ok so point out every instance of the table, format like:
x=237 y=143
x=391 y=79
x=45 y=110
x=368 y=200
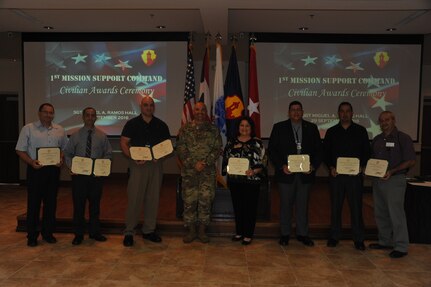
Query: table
x=418 y=212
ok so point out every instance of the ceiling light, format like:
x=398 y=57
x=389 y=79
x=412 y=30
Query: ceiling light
x=303 y=28
x=48 y=27
x=391 y=29
x=161 y=27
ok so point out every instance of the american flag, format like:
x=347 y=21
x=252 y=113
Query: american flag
x=189 y=90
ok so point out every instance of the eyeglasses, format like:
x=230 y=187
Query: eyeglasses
x=148 y=105
x=47 y=112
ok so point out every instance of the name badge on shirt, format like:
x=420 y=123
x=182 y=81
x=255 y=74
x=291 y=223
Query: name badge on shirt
x=390 y=144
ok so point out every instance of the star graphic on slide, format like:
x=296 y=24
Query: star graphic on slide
x=80 y=58
x=332 y=60
x=139 y=79
x=309 y=60
x=374 y=129
x=123 y=65
x=381 y=103
x=355 y=67
x=102 y=58
x=252 y=107
x=373 y=82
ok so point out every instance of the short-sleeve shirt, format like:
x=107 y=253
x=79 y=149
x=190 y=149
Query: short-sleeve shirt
x=35 y=135
x=142 y=133
x=396 y=148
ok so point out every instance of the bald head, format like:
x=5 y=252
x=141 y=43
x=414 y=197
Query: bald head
x=147 y=107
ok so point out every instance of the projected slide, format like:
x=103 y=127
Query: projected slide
x=112 y=77
x=94 y=74
x=372 y=77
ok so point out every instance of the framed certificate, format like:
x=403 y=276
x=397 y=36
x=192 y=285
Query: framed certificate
x=140 y=153
x=298 y=162
x=102 y=167
x=82 y=165
x=48 y=155
x=348 y=165
x=237 y=166
x=376 y=167
x=162 y=149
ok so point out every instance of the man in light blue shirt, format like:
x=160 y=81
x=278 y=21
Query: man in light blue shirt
x=42 y=180
x=92 y=143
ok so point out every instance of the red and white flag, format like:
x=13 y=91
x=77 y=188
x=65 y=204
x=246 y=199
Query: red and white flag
x=253 y=91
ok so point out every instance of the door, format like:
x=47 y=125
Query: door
x=9 y=130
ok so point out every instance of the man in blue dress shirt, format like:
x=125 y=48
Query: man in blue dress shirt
x=42 y=181
x=92 y=143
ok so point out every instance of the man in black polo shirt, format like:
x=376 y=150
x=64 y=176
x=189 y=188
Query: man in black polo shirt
x=388 y=192
x=346 y=139
x=145 y=177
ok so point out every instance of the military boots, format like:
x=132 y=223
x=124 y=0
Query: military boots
x=191 y=235
x=203 y=237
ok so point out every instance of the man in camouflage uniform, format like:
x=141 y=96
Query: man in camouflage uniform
x=198 y=146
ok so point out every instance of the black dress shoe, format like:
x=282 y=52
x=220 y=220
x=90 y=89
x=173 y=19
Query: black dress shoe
x=397 y=254
x=77 y=240
x=32 y=242
x=379 y=246
x=332 y=242
x=152 y=237
x=98 y=237
x=246 y=241
x=359 y=245
x=284 y=240
x=49 y=239
x=305 y=240
x=128 y=240
x=237 y=237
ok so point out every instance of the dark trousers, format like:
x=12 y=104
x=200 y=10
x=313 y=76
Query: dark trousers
x=351 y=186
x=294 y=194
x=86 y=188
x=42 y=186
x=245 y=198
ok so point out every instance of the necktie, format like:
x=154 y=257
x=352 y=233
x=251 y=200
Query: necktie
x=88 y=147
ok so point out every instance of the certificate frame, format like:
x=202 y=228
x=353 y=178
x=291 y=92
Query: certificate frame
x=162 y=149
x=48 y=155
x=82 y=165
x=102 y=167
x=376 y=167
x=237 y=166
x=348 y=165
x=298 y=163
x=140 y=153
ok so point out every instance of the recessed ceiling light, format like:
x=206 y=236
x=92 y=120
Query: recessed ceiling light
x=391 y=29
x=303 y=28
x=48 y=27
x=161 y=27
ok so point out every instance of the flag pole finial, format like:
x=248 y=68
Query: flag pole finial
x=252 y=38
x=234 y=39
x=218 y=37
x=207 y=38
x=191 y=40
